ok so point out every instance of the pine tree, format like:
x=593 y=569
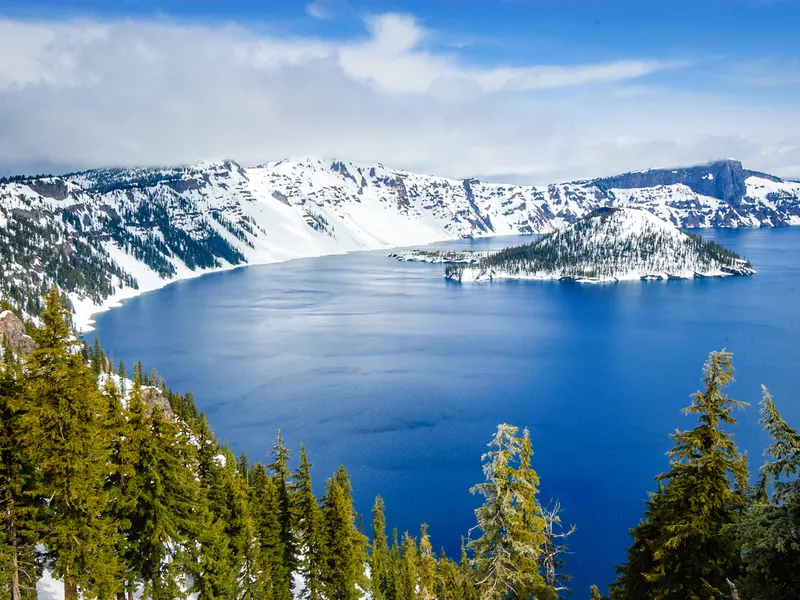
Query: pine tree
x=121 y=465
x=512 y=527
x=409 y=558
x=395 y=570
x=379 y=558
x=265 y=506
x=681 y=549
x=468 y=590
x=64 y=430
x=345 y=547
x=166 y=514
x=426 y=572
x=769 y=533
x=279 y=467
x=309 y=530
x=447 y=584
x=20 y=506
x=595 y=594
x=216 y=574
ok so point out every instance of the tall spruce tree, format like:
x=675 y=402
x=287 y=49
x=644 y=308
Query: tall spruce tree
x=769 y=533
x=681 y=549
x=266 y=508
x=379 y=557
x=20 y=506
x=345 y=547
x=64 y=429
x=407 y=585
x=512 y=527
x=427 y=566
x=309 y=531
x=166 y=514
x=279 y=468
x=122 y=462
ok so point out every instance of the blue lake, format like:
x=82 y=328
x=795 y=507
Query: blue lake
x=401 y=376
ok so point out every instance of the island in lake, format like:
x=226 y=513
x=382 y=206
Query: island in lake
x=609 y=244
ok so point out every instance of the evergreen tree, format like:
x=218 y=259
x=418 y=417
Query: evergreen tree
x=769 y=533
x=395 y=572
x=309 y=531
x=216 y=576
x=468 y=590
x=379 y=557
x=20 y=506
x=279 y=467
x=345 y=547
x=512 y=527
x=121 y=465
x=165 y=516
x=595 y=593
x=407 y=587
x=447 y=583
x=64 y=428
x=265 y=503
x=681 y=550
x=426 y=572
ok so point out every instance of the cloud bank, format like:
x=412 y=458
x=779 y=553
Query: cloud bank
x=83 y=94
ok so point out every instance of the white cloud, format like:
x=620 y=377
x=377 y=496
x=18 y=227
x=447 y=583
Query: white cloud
x=85 y=94
x=318 y=10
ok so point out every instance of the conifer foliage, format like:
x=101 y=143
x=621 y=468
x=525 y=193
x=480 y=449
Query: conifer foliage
x=682 y=549
x=121 y=490
x=507 y=554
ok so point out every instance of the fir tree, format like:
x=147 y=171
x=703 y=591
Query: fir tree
x=121 y=465
x=595 y=594
x=769 y=533
x=407 y=586
x=467 y=590
x=345 y=547
x=681 y=549
x=216 y=574
x=446 y=576
x=426 y=573
x=379 y=557
x=265 y=506
x=309 y=530
x=167 y=510
x=20 y=506
x=65 y=433
x=279 y=467
x=512 y=527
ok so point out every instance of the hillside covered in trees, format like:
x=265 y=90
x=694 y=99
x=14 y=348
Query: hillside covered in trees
x=117 y=486
x=609 y=244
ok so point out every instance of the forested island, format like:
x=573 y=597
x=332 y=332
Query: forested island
x=609 y=244
x=116 y=485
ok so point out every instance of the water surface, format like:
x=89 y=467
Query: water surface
x=403 y=376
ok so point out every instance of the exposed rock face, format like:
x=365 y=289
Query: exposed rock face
x=12 y=329
x=154 y=399
x=723 y=179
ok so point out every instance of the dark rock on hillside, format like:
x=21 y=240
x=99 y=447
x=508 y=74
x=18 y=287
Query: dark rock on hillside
x=724 y=179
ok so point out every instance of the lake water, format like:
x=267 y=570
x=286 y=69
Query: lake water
x=402 y=376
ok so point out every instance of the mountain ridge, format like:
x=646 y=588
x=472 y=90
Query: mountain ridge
x=104 y=235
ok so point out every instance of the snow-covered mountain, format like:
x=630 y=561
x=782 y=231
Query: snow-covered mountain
x=108 y=234
x=609 y=244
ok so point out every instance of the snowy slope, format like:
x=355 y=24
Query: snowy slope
x=107 y=235
x=610 y=244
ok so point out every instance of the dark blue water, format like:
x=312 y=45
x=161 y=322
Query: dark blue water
x=403 y=377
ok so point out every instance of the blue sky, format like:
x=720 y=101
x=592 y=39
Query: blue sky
x=524 y=90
